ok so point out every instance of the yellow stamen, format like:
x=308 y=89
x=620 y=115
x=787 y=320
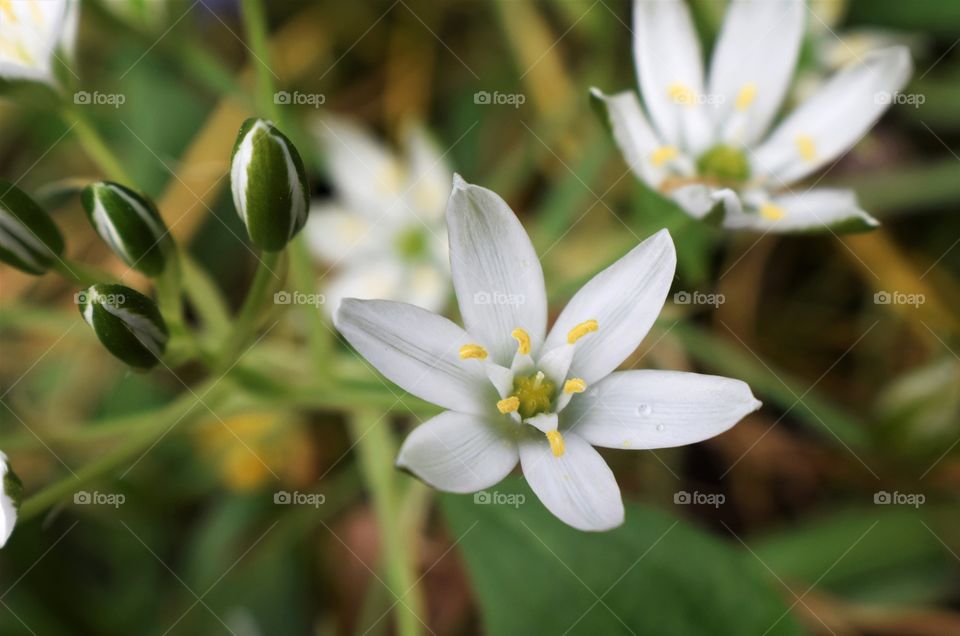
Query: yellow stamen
x=806 y=147
x=772 y=212
x=523 y=340
x=556 y=443
x=7 y=8
x=680 y=94
x=585 y=327
x=574 y=385
x=746 y=96
x=509 y=405
x=663 y=154
x=473 y=351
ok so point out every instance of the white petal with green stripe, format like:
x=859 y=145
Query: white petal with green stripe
x=29 y=240
x=127 y=323
x=130 y=224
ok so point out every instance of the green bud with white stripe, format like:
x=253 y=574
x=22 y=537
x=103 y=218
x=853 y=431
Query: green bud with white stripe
x=127 y=323
x=130 y=224
x=269 y=185
x=11 y=494
x=29 y=240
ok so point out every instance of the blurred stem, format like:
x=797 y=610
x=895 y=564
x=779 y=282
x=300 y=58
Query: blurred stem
x=247 y=321
x=319 y=334
x=79 y=274
x=94 y=146
x=139 y=441
x=204 y=295
x=377 y=450
x=255 y=21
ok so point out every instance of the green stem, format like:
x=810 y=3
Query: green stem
x=94 y=145
x=319 y=333
x=255 y=21
x=258 y=297
x=141 y=440
x=376 y=448
x=79 y=274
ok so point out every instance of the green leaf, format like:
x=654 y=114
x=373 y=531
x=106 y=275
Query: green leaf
x=654 y=575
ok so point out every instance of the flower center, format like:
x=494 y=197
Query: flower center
x=411 y=244
x=534 y=394
x=724 y=163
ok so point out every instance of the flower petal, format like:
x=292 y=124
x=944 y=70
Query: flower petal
x=8 y=506
x=418 y=351
x=633 y=134
x=496 y=272
x=667 y=55
x=657 y=409
x=624 y=299
x=429 y=177
x=753 y=64
x=578 y=487
x=457 y=452
x=379 y=279
x=835 y=118
x=707 y=203
x=335 y=234
x=811 y=211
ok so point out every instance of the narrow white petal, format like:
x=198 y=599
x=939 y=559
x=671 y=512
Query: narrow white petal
x=578 y=487
x=30 y=34
x=336 y=235
x=8 y=512
x=810 y=211
x=657 y=409
x=834 y=119
x=753 y=65
x=633 y=135
x=460 y=453
x=496 y=273
x=667 y=55
x=418 y=351
x=702 y=201
x=375 y=279
x=624 y=299
x=426 y=285
x=429 y=177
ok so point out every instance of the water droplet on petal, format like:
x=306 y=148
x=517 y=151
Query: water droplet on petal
x=644 y=410
x=659 y=427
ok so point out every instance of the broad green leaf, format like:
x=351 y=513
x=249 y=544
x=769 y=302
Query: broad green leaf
x=654 y=575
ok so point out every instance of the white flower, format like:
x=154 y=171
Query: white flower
x=706 y=145
x=9 y=499
x=34 y=34
x=384 y=234
x=518 y=392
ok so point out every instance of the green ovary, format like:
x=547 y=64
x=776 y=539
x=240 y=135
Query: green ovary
x=724 y=163
x=535 y=394
x=411 y=244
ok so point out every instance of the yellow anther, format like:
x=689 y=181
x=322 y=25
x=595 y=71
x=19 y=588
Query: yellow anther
x=7 y=8
x=806 y=147
x=772 y=212
x=556 y=442
x=473 y=351
x=523 y=340
x=663 y=154
x=574 y=385
x=746 y=96
x=680 y=94
x=509 y=405
x=585 y=327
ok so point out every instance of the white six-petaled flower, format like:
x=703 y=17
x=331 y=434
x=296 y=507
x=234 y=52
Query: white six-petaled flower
x=384 y=233
x=33 y=35
x=708 y=145
x=516 y=392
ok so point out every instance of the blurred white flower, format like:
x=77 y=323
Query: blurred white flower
x=10 y=489
x=383 y=236
x=708 y=145
x=34 y=35
x=516 y=392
